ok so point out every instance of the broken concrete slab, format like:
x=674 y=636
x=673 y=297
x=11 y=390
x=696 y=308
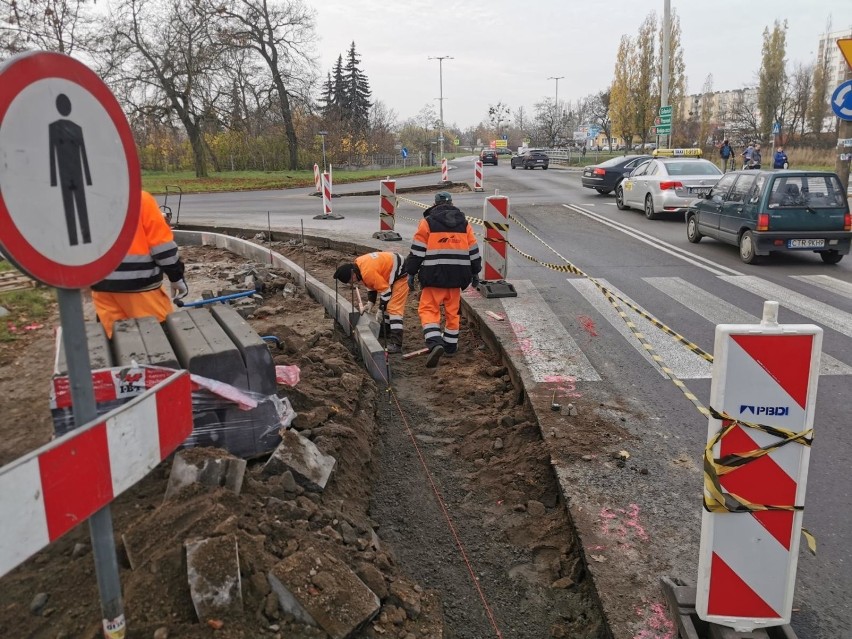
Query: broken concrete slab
x=213 y=572
x=310 y=467
x=188 y=468
x=327 y=590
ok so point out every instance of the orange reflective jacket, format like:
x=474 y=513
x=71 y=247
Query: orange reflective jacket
x=444 y=251
x=379 y=271
x=152 y=252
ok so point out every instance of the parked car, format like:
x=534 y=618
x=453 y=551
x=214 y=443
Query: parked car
x=768 y=211
x=531 y=159
x=604 y=177
x=502 y=150
x=666 y=185
x=488 y=156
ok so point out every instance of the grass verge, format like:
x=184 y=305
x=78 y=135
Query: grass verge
x=28 y=307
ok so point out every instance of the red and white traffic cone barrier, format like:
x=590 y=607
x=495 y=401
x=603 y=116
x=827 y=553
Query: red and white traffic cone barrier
x=326 y=200
x=495 y=217
x=317 y=179
x=387 y=212
x=445 y=173
x=477 y=176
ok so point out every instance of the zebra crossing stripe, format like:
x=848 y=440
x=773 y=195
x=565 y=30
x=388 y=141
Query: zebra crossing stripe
x=827 y=315
x=718 y=311
x=549 y=350
x=684 y=363
x=827 y=283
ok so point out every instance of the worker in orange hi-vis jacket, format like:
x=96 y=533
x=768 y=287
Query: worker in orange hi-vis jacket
x=135 y=288
x=445 y=255
x=382 y=273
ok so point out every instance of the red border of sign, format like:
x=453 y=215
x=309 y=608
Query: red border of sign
x=15 y=76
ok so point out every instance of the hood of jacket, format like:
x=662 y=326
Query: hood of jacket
x=448 y=216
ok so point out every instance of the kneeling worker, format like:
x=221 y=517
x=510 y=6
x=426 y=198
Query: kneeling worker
x=382 y=273
x=135 y=288
x=446 y=256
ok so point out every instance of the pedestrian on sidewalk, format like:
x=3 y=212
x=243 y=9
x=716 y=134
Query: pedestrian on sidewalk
x=780 y=161
x=727 y=155
x=135 y=288
x=383 y=275
x=445 y=256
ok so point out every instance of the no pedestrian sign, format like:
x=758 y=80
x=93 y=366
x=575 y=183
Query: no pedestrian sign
x=69 y=175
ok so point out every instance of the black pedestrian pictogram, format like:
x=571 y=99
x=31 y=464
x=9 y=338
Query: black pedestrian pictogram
x=68 y=151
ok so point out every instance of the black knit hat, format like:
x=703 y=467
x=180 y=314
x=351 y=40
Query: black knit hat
x=344 y=272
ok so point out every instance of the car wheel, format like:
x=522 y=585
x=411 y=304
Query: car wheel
x=604 y=191
x=747 y=250
x=526 y=167
x=513 y=165
x=619 y=199
x=545 y=168
x=830 y=257
x=650 y=213
x=692 y=232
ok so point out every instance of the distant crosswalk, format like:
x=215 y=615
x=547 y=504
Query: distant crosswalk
x=563 y=356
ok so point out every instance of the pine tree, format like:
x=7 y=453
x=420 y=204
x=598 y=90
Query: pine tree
x=356 y=92
x=338 y=88
x=327 y=97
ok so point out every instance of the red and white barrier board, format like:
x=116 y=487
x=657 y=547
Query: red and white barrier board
x=387 y=205
x=764 y=374
x=326 y=194
x=445 y=174
x=477 y=176
x=51 y=490
x=317 y=179
x=495 y=215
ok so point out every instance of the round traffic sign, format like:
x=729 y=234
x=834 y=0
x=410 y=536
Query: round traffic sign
x=69 y=176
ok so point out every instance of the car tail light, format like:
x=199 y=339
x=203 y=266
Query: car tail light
x=847 y=222
x=668 y=186
x=599 y=171
x=762 y=222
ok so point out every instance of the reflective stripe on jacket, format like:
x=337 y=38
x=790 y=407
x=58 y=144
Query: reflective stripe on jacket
x=152 y=253
x=444 y=251
x=379 y=271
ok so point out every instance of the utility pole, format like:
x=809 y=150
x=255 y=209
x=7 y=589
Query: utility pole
x=440 y=60
x=667 y=34
x=556 y=107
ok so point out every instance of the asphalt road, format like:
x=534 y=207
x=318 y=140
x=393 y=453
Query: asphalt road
x=690 y=288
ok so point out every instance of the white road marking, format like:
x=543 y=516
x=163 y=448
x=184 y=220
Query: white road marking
x=828 y=283
x=684 y=363
x=717 y=311
x=549 y=350
x=834 y=318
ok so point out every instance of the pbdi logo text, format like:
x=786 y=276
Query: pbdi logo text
x=780 y=411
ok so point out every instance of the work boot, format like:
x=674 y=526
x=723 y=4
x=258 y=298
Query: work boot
x=434 y=356
x=393 y=348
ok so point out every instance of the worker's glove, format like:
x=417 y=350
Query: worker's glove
x=383 y=305
x=179 y=289
x=410 y=282
x=474 y=281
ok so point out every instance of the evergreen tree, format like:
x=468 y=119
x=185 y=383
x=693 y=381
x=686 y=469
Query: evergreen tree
x=356 y=92
x=338 y=88
x=327 y=97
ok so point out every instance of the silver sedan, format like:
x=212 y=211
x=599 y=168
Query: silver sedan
x=666 y=185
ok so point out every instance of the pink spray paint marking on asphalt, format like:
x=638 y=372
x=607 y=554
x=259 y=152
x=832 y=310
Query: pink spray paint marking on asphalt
x=589 y=325
x=621 y=523
x=566 y=385
x=658 y=625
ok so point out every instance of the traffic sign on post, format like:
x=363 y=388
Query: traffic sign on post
x=69 y=176
x=662 y=129
x=762 y=401
x=665 y=110
x=841 y=101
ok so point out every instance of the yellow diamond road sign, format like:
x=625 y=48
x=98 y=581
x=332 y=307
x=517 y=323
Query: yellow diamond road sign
x=845 y=45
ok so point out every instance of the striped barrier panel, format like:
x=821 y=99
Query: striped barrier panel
x=326 y=193
x=495 y=216
x=445 y=174
x=387 y=205
x=49 y=491
x=762 y=401
x=477 y=176
x=317 y=180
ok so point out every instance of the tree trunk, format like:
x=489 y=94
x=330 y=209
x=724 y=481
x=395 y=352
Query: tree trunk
x=287 y=116
x=197 y=144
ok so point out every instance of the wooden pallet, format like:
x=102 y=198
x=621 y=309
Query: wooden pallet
x=681 y=600
x=15 y=281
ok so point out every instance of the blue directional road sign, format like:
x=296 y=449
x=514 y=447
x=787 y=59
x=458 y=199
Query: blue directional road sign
x=404 y=153
x=505 y=136
x=841 y=101
x=776 y=128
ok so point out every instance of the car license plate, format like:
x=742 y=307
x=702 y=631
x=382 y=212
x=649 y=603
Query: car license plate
x=793 y=244
x=699 y=190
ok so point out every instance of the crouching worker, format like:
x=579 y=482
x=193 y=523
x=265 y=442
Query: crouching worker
x=135 y=288
x=445 y=255
x=382 y=273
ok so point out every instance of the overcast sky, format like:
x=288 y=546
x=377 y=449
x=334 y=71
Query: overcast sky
x=505 y=50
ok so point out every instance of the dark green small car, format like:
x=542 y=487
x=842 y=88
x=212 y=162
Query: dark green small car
x=766 y=211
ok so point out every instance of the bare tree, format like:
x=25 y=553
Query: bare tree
x=64 y=26
x=797 y=97
x=282 y=34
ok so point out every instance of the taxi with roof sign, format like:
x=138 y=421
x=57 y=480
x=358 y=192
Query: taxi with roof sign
x=668 y=183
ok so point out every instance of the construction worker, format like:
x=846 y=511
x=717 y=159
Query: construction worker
x=135 y=288
x=445 y=255
x=382 y=273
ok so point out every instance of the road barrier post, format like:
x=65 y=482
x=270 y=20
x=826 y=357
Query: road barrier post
x=387 y=212
x=762 y=401
x=326 y=200
x=445 y=175
x=477 y=176
x=495 y=217
x=317 y=179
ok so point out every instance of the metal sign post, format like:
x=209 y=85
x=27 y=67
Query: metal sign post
x=69 y=208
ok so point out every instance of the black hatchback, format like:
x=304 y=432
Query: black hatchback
x=488 y=156
x=604 y=177
x=531 y=159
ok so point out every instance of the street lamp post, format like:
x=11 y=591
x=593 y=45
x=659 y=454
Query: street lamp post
x=322 y=134
x=556 y=106
x=440 y=60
